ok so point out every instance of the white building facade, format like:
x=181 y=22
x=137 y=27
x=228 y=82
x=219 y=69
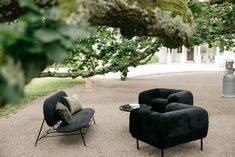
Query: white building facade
x=198 y=55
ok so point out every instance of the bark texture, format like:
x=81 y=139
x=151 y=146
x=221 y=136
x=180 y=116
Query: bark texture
x=170 y=20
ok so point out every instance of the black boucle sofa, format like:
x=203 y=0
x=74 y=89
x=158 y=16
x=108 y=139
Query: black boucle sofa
x=80 y=120
x=180 y=123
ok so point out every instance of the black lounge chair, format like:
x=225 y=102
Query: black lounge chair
x=80 y=120
x=180 y=123
x=172 y=120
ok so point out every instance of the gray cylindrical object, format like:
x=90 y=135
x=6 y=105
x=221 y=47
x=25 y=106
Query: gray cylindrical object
x=229 y=85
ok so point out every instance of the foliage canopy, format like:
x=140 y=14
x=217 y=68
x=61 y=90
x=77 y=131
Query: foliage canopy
x=31 y=43
x=40 y=37
x=107 y=51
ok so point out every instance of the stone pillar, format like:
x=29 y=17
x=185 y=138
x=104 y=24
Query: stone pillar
x=168 y=60
x=183 y=55
x=198 y=57
x=217 y=56
x=88 y=85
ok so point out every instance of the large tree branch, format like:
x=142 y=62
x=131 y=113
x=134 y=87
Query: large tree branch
x=10 y=9
x=100 y=71
x=170 y=20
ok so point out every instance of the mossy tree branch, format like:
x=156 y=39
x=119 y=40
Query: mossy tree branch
x=170 y=20
x=99 y=71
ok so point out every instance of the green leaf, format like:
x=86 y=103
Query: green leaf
x=28 y=4
x=70 y=31
x=54 y=51
x=46 y=35
x=31 y=17
x=66 y=42
x=75 y=31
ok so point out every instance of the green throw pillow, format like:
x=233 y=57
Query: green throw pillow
x=73 y=104
x=63 y=113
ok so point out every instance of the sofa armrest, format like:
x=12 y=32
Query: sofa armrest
x=186 y=125
x=185 y=97
x=147 y=126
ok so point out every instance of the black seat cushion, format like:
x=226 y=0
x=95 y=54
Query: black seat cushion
x=158 y=104
x=177 y=106
x=80 y=120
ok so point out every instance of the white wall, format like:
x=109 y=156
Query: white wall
x=162 y=54
x=207 y=55
x=175 y=56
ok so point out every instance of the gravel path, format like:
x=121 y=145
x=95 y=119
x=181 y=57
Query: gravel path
x=110 y=136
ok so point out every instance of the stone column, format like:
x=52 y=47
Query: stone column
x=168 y=59
x=198 y=57
x=88 y=85
x=217 y=56
x=183 y=55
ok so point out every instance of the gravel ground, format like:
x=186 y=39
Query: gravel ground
x=110 y=136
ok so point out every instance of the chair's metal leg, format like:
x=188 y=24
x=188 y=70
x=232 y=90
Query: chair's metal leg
x=39 y=133
x=201 y=144
x=137 y=144
x=162 y=152
x=82 y=137
x=93 y=119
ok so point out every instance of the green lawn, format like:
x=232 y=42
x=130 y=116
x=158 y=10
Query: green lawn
x=39 y=87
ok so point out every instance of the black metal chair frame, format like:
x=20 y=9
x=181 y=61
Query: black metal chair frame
x=52 y=130
x=162 y=150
